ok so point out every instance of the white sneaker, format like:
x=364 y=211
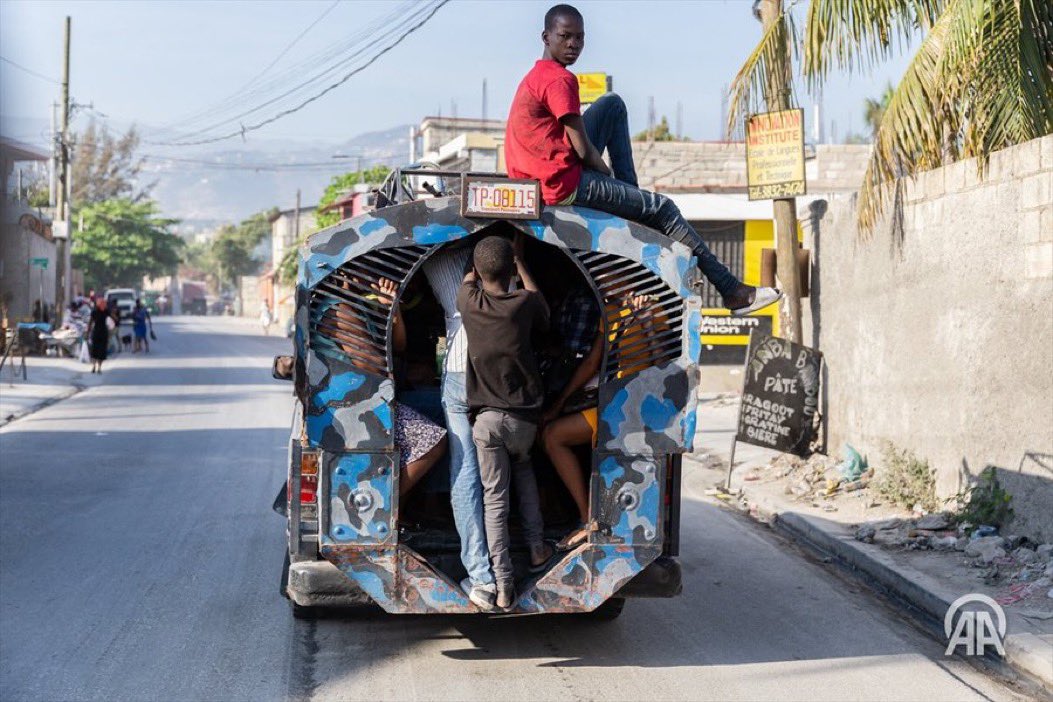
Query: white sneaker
x=762 y=297
x=482 y=596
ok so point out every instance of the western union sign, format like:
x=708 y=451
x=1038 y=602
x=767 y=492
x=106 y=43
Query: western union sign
x=591 y=86
x=775 y=154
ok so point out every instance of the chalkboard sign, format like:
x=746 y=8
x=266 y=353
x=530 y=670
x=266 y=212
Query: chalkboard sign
x=780 y=395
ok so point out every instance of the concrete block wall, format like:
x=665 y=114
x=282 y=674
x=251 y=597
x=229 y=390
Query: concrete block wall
x=718 y=166
x=937 y=328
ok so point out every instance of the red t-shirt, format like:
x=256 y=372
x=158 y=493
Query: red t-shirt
x=536 y=144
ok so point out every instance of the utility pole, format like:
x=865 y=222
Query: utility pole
x=63 y=194
x=679 y=120
x=53 y=178
x=484 y=99
x=650 y=118
x=777 y=95
x=296 y=220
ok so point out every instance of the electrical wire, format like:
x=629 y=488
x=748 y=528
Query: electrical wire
x=33 y=73
x=290 y=45
x=294 y=72
x=302 y=166
x=187 y=140
x=370 y=33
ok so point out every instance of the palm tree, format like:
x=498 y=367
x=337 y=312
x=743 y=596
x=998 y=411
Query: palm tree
x=981 y=79
x=874 y=110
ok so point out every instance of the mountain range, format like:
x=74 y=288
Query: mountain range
x=221 y=185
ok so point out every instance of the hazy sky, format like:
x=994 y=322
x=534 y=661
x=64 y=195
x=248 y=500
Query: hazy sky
x=156 y=62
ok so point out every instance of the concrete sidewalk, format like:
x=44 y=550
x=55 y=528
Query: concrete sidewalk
x=49 y=379
x=928 y=582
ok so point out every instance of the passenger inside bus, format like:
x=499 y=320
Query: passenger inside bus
x=420 y=441
x=571 y=420
x=443 y=519
x=448 y=530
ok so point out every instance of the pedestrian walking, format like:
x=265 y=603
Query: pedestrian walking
x=265 y=317
x=98 y=334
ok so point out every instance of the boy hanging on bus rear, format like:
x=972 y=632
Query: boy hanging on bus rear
x=505 y=395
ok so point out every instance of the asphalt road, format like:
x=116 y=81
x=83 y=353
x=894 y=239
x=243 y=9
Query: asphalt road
x=139 y=560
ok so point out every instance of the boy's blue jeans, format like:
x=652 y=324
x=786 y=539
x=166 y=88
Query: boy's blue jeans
x=466 y=488
x=607 y=126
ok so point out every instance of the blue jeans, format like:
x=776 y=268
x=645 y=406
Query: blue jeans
x=466 y=487
x=607 y=126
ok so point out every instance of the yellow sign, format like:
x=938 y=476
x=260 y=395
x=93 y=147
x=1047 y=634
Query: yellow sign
x=775 y=154
x=591 y=86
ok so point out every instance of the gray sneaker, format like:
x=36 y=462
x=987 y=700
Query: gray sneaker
x=482 y=596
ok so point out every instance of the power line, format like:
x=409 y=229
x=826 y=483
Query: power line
x=291 y=44
x=33 y=73
x=308 y=165
x=252 y=127
x=188 y=139
x=295 y=73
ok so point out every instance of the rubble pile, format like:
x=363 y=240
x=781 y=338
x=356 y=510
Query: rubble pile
x=816 y=480
x=1024 y=567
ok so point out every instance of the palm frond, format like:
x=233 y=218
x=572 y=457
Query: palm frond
x=981 y=81
x=856 y=34
x=754 y=88
x=911 y=130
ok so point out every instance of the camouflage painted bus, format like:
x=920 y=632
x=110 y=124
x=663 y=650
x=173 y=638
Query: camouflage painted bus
x=352 y=541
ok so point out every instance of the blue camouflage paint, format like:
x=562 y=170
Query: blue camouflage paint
x=339 y=388
x=651 y=252
x=437 y=233
x=383 y=412
x=613 y=414
x=657 y=413
x=694 y=336
x=372 y=227
x=689 y=424
x=644 y=418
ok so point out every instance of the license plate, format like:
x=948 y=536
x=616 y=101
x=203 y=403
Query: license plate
x=507 y=198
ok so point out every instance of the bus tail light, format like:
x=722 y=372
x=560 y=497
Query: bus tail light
x=308 y=477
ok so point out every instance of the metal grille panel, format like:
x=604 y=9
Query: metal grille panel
x=634 y=343
x=727 y=242
x=348 y=321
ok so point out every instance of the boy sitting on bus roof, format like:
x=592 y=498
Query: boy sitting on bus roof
x=547 y=138
x=505 y=395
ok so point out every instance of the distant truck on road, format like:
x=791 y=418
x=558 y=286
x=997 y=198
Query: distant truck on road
x=194 y=297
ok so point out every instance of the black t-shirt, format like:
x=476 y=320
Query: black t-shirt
x=502 y=370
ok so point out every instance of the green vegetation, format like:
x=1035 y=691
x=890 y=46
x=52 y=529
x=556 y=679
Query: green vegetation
x=986 y=501
x=122 y=241
x=105 y=167
x=906 y=480
x=340 y=185
x=979 y=81
x=661 y=133
x=231 y=253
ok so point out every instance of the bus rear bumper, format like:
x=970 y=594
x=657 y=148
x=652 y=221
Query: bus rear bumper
x=661 y=578
x=322 y=584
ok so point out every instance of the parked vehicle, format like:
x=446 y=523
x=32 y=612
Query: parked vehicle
x=124 y=298
x=352 y=540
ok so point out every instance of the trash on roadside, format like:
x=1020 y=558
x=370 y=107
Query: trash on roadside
x=854 y=464
x=984 y=530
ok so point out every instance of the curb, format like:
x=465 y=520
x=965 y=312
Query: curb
x=1027 y=654
x=65 y=395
